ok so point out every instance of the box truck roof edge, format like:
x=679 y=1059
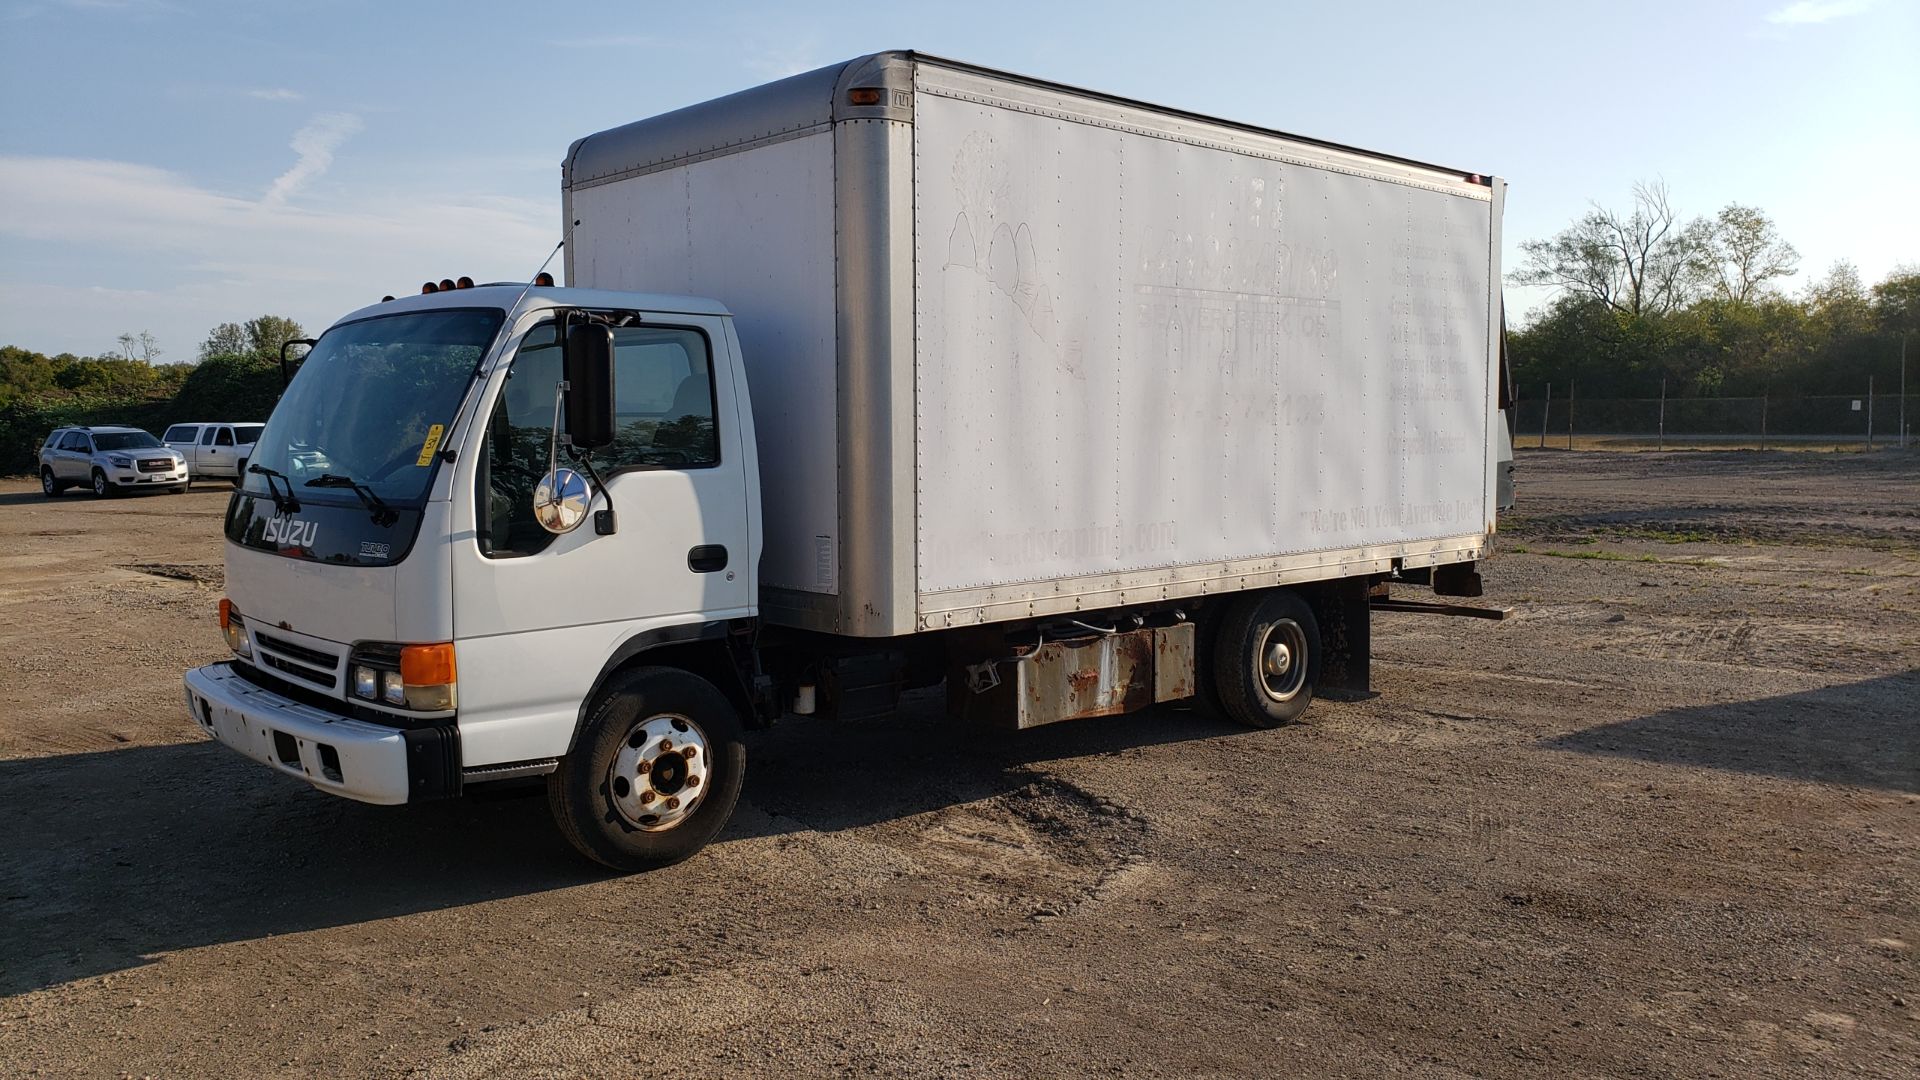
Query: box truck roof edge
x=802 y=102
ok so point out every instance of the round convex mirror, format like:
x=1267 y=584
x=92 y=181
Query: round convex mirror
x=560 y=501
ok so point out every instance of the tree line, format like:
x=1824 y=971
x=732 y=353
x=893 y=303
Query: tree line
x=1643 y=298
x=235 y=376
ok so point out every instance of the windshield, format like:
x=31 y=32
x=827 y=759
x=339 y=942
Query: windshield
x=123 y=440
x=371 y=402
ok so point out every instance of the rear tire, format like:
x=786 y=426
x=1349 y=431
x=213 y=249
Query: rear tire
x=1266 y=658
x=48 y=485
x=103 y=488
x=622 y=799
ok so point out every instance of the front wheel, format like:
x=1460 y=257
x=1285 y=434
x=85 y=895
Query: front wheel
x=1266 y=658
x=102 y=487
x=654 y=775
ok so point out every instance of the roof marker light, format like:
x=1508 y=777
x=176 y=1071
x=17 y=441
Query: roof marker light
x=464 y=283
x=429 y=287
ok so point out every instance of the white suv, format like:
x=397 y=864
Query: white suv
x=110 y=460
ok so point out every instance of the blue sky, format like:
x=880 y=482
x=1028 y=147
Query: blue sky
x=171 y=164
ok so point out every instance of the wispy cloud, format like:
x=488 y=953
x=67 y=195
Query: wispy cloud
x=315 y=144
x=777 y=61
x=1803 y=12
x=276 y=93
x=119 y=5
x=173 y=256
x=608 y=41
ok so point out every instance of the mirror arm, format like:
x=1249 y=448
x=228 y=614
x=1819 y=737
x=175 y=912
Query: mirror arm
x=604 y=521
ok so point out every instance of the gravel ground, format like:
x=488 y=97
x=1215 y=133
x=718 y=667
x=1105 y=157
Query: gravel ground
x=1662 y=821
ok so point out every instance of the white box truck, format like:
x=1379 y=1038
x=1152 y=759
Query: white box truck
x=894 y=373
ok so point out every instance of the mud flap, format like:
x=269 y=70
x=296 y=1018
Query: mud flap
x=1346 y=639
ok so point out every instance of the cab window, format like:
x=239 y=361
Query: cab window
x=77 y=442
x=224 y=437
x=178 y=433
x=663 y=420
x=662 y=401
x=206 y=437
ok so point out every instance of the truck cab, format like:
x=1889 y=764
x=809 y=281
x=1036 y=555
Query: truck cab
x=402 y=622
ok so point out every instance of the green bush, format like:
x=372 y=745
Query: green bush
x=219 y=388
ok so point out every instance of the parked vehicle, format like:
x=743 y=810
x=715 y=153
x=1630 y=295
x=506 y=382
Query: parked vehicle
x=1072 y=403
x=214 y=450
x=109 y=460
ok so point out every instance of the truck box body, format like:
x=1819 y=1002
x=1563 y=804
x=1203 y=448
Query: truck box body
x=1016 y=349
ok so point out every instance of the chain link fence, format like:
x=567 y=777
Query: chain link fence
x=1828 y=421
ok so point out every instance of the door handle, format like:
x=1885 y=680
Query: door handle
x=706 y=558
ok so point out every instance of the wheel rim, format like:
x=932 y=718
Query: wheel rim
x=1282 y=660
x=46 y=481
x=661 y=773
x=99 y=484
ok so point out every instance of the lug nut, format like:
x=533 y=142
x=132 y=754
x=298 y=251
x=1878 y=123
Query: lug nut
x=645 y=766
x=666 y=744
x=691 y=752
x=646 y=797
x=693 y=781
x=673 y=804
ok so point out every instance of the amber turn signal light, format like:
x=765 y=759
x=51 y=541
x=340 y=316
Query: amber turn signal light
x=427 y=665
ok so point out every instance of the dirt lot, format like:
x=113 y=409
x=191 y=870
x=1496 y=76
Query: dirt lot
x=1663 y=821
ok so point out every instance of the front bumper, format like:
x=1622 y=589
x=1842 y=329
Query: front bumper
x=131 y=478
x=334 y=753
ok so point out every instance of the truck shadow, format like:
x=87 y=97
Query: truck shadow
x=111 y=857
x=1865 y=734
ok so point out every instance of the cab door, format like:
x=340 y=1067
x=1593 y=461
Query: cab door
x=219 y=454
x=536 y=615
x=75 y=460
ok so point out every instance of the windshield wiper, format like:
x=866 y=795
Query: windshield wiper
x=383 y=515
x=286 y=504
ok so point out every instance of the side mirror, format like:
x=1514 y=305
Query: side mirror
x=589 y=395
x=286 y=373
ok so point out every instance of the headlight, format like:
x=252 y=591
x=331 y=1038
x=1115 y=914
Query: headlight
x=121 y=462
x=415 y=677
x=235 y=628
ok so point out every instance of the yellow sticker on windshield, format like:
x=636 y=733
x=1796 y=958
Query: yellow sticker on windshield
x=433 y=443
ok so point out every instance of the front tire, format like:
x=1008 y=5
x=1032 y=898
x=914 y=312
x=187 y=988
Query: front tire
x=103 y=488
x=654 y=775
x=1266 y=658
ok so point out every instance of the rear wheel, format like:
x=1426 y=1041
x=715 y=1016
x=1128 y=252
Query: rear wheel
x=1266 y=658
x=655 y=773
x=48 y=485
x=103 y=487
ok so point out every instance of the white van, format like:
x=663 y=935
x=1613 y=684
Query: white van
x=214 y=450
